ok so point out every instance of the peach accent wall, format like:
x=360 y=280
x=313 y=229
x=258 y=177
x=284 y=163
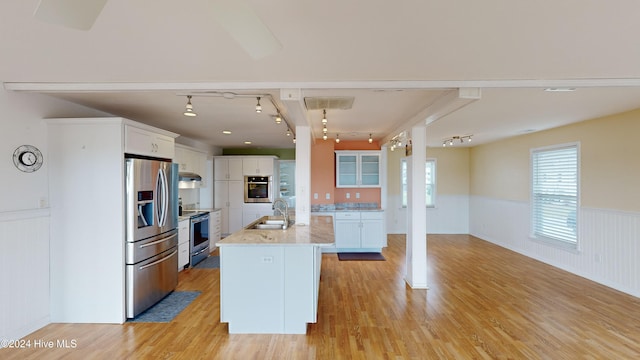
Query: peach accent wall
x=323 y=169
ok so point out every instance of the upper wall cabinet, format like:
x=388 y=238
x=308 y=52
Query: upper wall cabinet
x=227 y=168
x=143 y=142
x=258 y=166
x=357 y=169
x=191 y=160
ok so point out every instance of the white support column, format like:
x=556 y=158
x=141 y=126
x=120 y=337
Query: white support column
x=416 y=255
x=303 y=174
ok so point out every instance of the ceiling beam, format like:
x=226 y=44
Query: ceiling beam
x=295 y=109
x=314 y=85
x=444 y=105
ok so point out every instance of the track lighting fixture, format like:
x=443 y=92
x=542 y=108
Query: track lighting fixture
x=395 y=143
x=188 y=111
x=324 y=130
x=370 y=139
x=258 y=106
x=324 y=136
x=450 y=141
x=294 y=139
x=337 y=138
x=324 y=117
x=288 y=132
x=278 y=118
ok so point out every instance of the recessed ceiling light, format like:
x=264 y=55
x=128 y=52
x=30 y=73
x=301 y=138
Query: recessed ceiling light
x=559 y=89
x=226 y=132
x=247 y=142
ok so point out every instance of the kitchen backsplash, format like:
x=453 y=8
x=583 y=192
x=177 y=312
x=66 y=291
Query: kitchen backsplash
x=190 y=198
x=344 y=206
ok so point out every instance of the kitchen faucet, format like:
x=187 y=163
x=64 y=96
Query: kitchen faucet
x=284 y=213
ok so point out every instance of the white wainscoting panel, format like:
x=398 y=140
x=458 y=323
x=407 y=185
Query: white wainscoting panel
x=450 y=216
x=608 y=241
x=24 y=265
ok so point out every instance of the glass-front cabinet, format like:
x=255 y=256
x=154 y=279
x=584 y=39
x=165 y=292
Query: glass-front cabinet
x=357 y=168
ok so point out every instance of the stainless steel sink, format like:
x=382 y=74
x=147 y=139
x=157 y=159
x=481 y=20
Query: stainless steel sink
x=267 y=227
x=268 y=223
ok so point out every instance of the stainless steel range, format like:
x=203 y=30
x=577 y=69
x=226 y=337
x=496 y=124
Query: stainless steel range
x=199 y=237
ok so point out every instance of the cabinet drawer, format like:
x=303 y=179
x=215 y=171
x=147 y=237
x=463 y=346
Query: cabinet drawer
x=348 y=215
x=372 y=215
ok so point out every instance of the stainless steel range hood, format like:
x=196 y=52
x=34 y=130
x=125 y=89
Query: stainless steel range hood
x=189 y=180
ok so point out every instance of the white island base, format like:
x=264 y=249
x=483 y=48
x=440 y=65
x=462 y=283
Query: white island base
x=269 y=289
x=269 y=279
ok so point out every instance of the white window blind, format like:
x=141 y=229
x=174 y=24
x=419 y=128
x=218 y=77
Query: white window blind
x=430 y=180
x=555 y=194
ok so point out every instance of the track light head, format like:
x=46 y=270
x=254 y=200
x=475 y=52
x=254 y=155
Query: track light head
x=188 y=110
x=258 y=106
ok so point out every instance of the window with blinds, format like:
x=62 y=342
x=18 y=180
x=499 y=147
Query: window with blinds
x=430 y=181
x=555 y=195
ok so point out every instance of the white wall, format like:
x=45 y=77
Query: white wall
x=24 y=214
x=450 y=216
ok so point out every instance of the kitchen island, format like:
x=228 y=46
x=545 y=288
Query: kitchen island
x=269 y=279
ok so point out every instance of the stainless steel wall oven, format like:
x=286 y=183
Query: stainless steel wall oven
x=258 y=189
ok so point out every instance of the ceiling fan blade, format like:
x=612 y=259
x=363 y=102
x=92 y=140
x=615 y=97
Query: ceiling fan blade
x=77 y=14
x=245 y=27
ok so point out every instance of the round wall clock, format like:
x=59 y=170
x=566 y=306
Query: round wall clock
x=27 y=158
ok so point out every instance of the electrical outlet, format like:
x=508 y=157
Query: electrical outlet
x=348 y=196
x=357 y=195
x=267 y=259
x=315 y=196
x=327 y=196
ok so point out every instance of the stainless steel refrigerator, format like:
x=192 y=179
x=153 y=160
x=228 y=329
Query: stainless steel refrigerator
x=151 y=249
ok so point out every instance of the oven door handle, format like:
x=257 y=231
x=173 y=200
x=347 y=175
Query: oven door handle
x=199 y=219
x=159 y=261
x=199 y=252
x=158 y=241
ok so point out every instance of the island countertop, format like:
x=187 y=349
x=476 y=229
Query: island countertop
x=318 y=233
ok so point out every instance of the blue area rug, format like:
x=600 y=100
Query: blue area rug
x=212 y=262
x=168 y=308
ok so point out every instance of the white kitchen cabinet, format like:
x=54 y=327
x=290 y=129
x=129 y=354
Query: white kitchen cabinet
x=215 y=227
x=359 y=231
x=229 y=197
x=258 y=165
x=183 y=244
x=149 y=143
x=372 y=232
x=270 y=289
x=347 y=230
x=227 y=168
x=189 y=160
x=90 y=289
x=358 y=169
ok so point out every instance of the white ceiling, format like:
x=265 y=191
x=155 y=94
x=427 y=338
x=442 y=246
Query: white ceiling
x=403 y=62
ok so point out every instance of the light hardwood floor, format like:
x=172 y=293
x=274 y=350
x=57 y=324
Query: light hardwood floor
x=484 y=302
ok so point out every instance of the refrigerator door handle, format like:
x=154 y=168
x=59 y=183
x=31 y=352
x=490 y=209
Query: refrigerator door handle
x=159 y=261
x=162 y=190
x=158 y=241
